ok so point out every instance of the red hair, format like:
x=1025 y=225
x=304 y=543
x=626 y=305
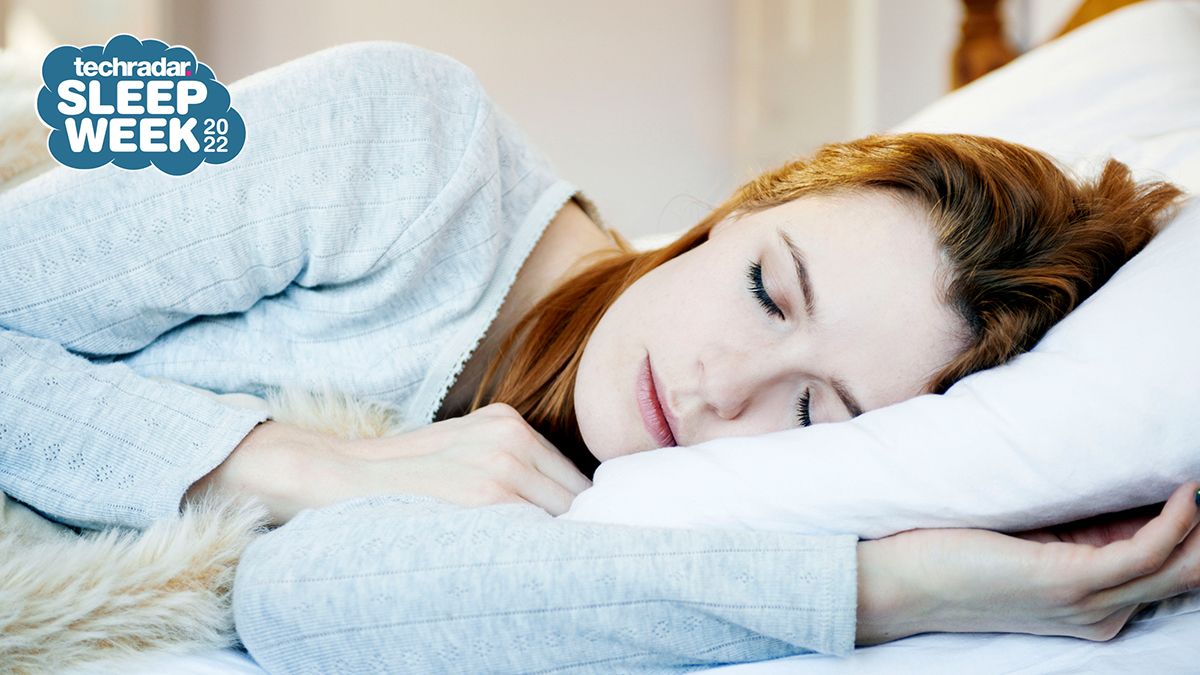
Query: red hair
x=1025 y=244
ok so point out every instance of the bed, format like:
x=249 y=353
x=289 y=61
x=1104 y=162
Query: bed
x=1135 y=73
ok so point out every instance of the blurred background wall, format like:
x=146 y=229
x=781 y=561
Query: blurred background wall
x=656 y=108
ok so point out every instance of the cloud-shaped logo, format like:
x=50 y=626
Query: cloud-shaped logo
x=135 y=103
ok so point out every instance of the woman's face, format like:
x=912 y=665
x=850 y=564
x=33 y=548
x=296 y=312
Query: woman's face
x=860 y=325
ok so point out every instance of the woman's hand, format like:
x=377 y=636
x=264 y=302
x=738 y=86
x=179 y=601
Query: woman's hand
x=961 y=580
x=1097 y=531
x=489 y=456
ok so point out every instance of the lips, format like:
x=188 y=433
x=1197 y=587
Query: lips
x=651 y=408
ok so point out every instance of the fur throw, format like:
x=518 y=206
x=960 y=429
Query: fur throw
x=69 y=599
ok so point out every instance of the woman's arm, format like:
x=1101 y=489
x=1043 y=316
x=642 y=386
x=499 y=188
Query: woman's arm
x=346 y=149
x=1087 y=582
x=94 y=444
x=415 y=584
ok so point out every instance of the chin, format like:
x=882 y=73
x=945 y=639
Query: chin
x=604 y=449
x=600 y=450
x=605 y=452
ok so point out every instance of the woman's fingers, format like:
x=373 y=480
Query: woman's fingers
x=1108 y=626
x=1148 y=550
x=536 y=488
x=1180 y=574
x=540 y=452
x=555 y=465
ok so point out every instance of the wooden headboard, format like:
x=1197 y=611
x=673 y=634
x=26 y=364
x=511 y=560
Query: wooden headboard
x=983 y=45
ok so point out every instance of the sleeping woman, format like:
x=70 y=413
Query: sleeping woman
x=388 y=232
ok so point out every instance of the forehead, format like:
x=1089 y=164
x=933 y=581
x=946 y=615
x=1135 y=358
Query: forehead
x=864 y=224
x=879 y=278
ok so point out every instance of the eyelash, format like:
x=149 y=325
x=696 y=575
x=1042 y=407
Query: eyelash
x=802 y=409
x=754 y=274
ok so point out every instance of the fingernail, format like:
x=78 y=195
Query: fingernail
x=1197 y=497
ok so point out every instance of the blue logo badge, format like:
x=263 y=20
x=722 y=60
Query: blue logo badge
x=135 y=103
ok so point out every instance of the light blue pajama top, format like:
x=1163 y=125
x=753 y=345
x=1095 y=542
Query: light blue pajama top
x=365 y=237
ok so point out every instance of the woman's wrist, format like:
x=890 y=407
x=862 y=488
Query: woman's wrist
x=892 y=603
x=279 y=464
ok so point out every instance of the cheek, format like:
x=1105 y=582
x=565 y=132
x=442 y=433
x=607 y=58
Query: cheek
x=601 y=389
x=648 y=310
x=709 y=304
x=648 y=316
x=681 y=296
x=589 y=394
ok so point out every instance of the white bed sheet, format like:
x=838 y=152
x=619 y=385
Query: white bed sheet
x=1165 y=643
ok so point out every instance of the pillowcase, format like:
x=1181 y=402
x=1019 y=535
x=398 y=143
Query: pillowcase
x=1124 y=86
x=1102 y=415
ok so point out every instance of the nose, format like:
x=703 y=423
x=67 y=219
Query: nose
x=730 y=380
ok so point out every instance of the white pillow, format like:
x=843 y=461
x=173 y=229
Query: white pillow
x=1126 y=86
x=1103 y=414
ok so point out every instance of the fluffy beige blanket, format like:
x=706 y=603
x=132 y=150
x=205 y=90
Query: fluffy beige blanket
x=67 y=599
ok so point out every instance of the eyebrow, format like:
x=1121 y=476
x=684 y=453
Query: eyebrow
x=839 y=387
x=810 y=305
x=847 y=398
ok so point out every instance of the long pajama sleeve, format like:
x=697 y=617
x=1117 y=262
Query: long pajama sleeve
x=415 y=585
x=95 y=444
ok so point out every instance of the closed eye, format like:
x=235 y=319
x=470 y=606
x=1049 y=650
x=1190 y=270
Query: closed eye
x=754 y=274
